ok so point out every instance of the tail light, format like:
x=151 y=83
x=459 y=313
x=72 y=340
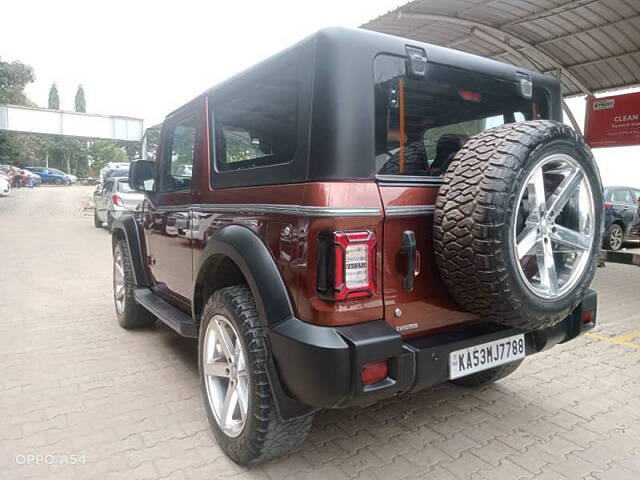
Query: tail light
x=115 y=198
x=607 y=206
x=346 y=264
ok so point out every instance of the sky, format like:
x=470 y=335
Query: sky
x=145 y=58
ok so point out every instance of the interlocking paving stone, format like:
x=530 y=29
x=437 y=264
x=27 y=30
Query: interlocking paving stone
x=73 y=383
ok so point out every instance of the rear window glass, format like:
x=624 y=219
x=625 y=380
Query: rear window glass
x=258 y=128
x=123 y=187
x=622 y=196
x=422 y=123
x=118 y=173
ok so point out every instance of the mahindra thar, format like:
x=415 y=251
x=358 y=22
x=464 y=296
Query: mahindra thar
x=358 y=217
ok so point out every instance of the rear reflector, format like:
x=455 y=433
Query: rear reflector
x=374 y=372
x=115 y=198
x=607 y=206
x=588 y=315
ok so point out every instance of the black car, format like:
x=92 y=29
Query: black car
x=621 y=221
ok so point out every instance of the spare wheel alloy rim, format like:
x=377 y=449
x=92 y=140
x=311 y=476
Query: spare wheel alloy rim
x=554 y=226
x=225 y=375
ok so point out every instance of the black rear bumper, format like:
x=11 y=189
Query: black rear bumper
x=320 y=367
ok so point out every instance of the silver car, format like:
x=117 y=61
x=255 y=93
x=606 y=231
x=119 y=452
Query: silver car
x=112 y=198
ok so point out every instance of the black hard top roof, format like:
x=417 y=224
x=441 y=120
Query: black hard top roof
x=344 y=44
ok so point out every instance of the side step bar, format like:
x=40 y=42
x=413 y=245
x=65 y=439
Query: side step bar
x=174 y=318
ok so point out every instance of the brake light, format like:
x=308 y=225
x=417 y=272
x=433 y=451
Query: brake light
x=607 y=206
x=346 y=264
x=115 y=198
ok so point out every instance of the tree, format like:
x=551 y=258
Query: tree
x=102 y=152
x=80 y=103
x=17 y=148
x=54 y=98
x=14 y=77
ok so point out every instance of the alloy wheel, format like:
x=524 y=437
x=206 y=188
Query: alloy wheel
x=554 y=226
x=119 y=292
x=615 y=239
x=225 y=375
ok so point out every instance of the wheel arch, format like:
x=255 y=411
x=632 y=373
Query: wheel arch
x=236 y=255
x=125 y=228
x=620 y=222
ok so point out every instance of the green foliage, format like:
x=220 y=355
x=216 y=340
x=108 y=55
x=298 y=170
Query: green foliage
x=21 y=149
x=54 y=98
x=152 y=139
x=102 y=152
x=14 y=77
x=80 y=103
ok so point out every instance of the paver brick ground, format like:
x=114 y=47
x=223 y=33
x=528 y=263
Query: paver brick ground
x=127 y=404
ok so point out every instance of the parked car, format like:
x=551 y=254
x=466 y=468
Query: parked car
x=27 y=178
x=113 y=169
x=358 y=244
x=49 y=175
x=621 y=216
x=72 y=178
x=31 y=179
x=112 y=199
x=5 y=185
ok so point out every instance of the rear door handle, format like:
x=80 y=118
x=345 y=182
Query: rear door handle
x=410 y=253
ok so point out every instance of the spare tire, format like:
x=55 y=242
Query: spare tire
x=518 y=222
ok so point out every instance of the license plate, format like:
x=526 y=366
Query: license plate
x=488 y=355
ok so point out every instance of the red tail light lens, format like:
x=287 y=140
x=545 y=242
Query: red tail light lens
x=115 y=198
x=374 y=372
x=346 y=264
x=607 y=206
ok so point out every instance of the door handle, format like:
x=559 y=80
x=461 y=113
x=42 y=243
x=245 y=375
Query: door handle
x=410 y=253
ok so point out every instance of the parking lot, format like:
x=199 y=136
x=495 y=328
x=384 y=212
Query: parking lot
x=82 y=398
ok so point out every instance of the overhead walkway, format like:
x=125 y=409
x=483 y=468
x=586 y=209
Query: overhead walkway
x=71 y=124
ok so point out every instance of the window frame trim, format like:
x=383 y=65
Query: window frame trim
x=167 y=149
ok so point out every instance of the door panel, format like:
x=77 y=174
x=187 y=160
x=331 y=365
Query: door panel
x=428 y=305
x=168 y=222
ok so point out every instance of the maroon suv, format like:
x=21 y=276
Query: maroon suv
x=358 y=217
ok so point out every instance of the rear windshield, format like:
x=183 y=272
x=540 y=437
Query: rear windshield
x=122 y=172
x=422 y=123
x=123 y=187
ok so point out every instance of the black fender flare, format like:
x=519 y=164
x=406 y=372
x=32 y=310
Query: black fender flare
x=250 y=254
x=242 y=246
x=127 y=226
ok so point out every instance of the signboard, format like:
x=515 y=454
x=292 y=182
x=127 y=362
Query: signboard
x=613 y=121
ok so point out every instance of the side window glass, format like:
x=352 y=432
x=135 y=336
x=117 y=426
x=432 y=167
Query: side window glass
x=178 y=167
x=259 y=127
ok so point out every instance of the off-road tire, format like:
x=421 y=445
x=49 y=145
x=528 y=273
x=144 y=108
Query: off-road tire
x=487 y=377
x=265 y=434
x=96 y=220
x=607 y=244
x=475 y=212
x=133 y=315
